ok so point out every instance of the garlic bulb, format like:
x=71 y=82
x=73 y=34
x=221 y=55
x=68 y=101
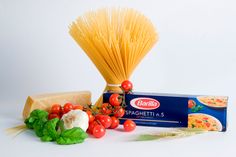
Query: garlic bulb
x=75 y=118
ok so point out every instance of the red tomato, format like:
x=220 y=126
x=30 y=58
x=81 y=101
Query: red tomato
x=198 y=121
x=106 y=108
x=99 y=131
x=98 y=116
x=53 y=115
x=127 y=86
x=62 y=113
x=56 y=108
x=208 y=124
x=67 y=107
x=119 y=112
x=91 y=126
x=115 y=122
x=90 y=115
x=105 y=121
x=78 y=107
x=129 y=125
x=191 y=104
x=115 y=99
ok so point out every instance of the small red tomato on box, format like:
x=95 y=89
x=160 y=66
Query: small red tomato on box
x=191 y=103
x=119 y=112
x=106 y=108
x=115 y=99
x=127 y=86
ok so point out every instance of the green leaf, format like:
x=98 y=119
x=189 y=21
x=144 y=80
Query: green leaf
x=46 y=138
x=197 y=108
x=50 y=130
x=72 y=136
x=35 y=116
x=39 y=114
x=29 y=123
x=38 y=127
x=36 y=121
x=61 y=125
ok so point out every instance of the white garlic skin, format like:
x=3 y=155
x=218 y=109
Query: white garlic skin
x=75 y=118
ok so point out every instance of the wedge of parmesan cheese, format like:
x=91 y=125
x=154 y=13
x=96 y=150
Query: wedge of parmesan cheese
x=45 y=101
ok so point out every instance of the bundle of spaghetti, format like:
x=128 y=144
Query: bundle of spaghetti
x=115 y=40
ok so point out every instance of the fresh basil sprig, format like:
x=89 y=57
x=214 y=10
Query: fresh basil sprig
x=72 y=136
x=47 y=130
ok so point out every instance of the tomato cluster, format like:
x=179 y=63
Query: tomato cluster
x=102 y=122
x=108 y=117
x=57 y=111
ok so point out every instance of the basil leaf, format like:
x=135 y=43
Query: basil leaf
x=72 y=136
x=197 y=108
x=38 y=127
x=50 y=130
x=35 y=116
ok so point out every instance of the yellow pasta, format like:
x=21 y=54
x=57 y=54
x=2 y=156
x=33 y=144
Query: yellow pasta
x=115 y=40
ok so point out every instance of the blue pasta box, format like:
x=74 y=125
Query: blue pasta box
x=174 y=110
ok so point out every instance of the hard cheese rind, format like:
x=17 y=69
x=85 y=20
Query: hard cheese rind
x=45 y=101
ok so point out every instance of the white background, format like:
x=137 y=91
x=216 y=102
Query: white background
x=195 y=55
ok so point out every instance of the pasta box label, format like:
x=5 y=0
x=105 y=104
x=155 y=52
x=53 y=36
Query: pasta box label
x=172 y=110
x=154 y=110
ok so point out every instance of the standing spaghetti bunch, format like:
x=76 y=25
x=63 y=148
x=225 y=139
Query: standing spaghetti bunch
x=116 y=40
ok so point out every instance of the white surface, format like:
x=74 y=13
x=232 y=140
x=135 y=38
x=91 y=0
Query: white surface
x=117 y=143
x=195 y=55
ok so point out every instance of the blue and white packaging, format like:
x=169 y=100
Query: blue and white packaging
x=173 y=110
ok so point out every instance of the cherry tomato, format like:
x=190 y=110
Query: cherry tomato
x=67 y=107
x=98 y=116
x=53 y=115
x=61 y=113
x=106 y=108
x=191 y=104
x=115 y=99
x=90 y=115
x=91 y=126
x=127 y=86
x=99 y=131
x=78 y=107
x=115 y=122
x=129 y=125
x=105 y=121
x=119 y=112
x=56 y=108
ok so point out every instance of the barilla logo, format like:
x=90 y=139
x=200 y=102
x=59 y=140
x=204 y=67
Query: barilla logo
x=145 y=103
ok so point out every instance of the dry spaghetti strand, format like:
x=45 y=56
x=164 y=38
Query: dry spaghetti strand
x=16 y=130
x=115 y=40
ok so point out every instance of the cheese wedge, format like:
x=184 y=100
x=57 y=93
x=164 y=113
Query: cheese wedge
x=45 y=101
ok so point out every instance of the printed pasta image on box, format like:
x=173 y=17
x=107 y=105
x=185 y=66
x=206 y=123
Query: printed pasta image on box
x=208 y=112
